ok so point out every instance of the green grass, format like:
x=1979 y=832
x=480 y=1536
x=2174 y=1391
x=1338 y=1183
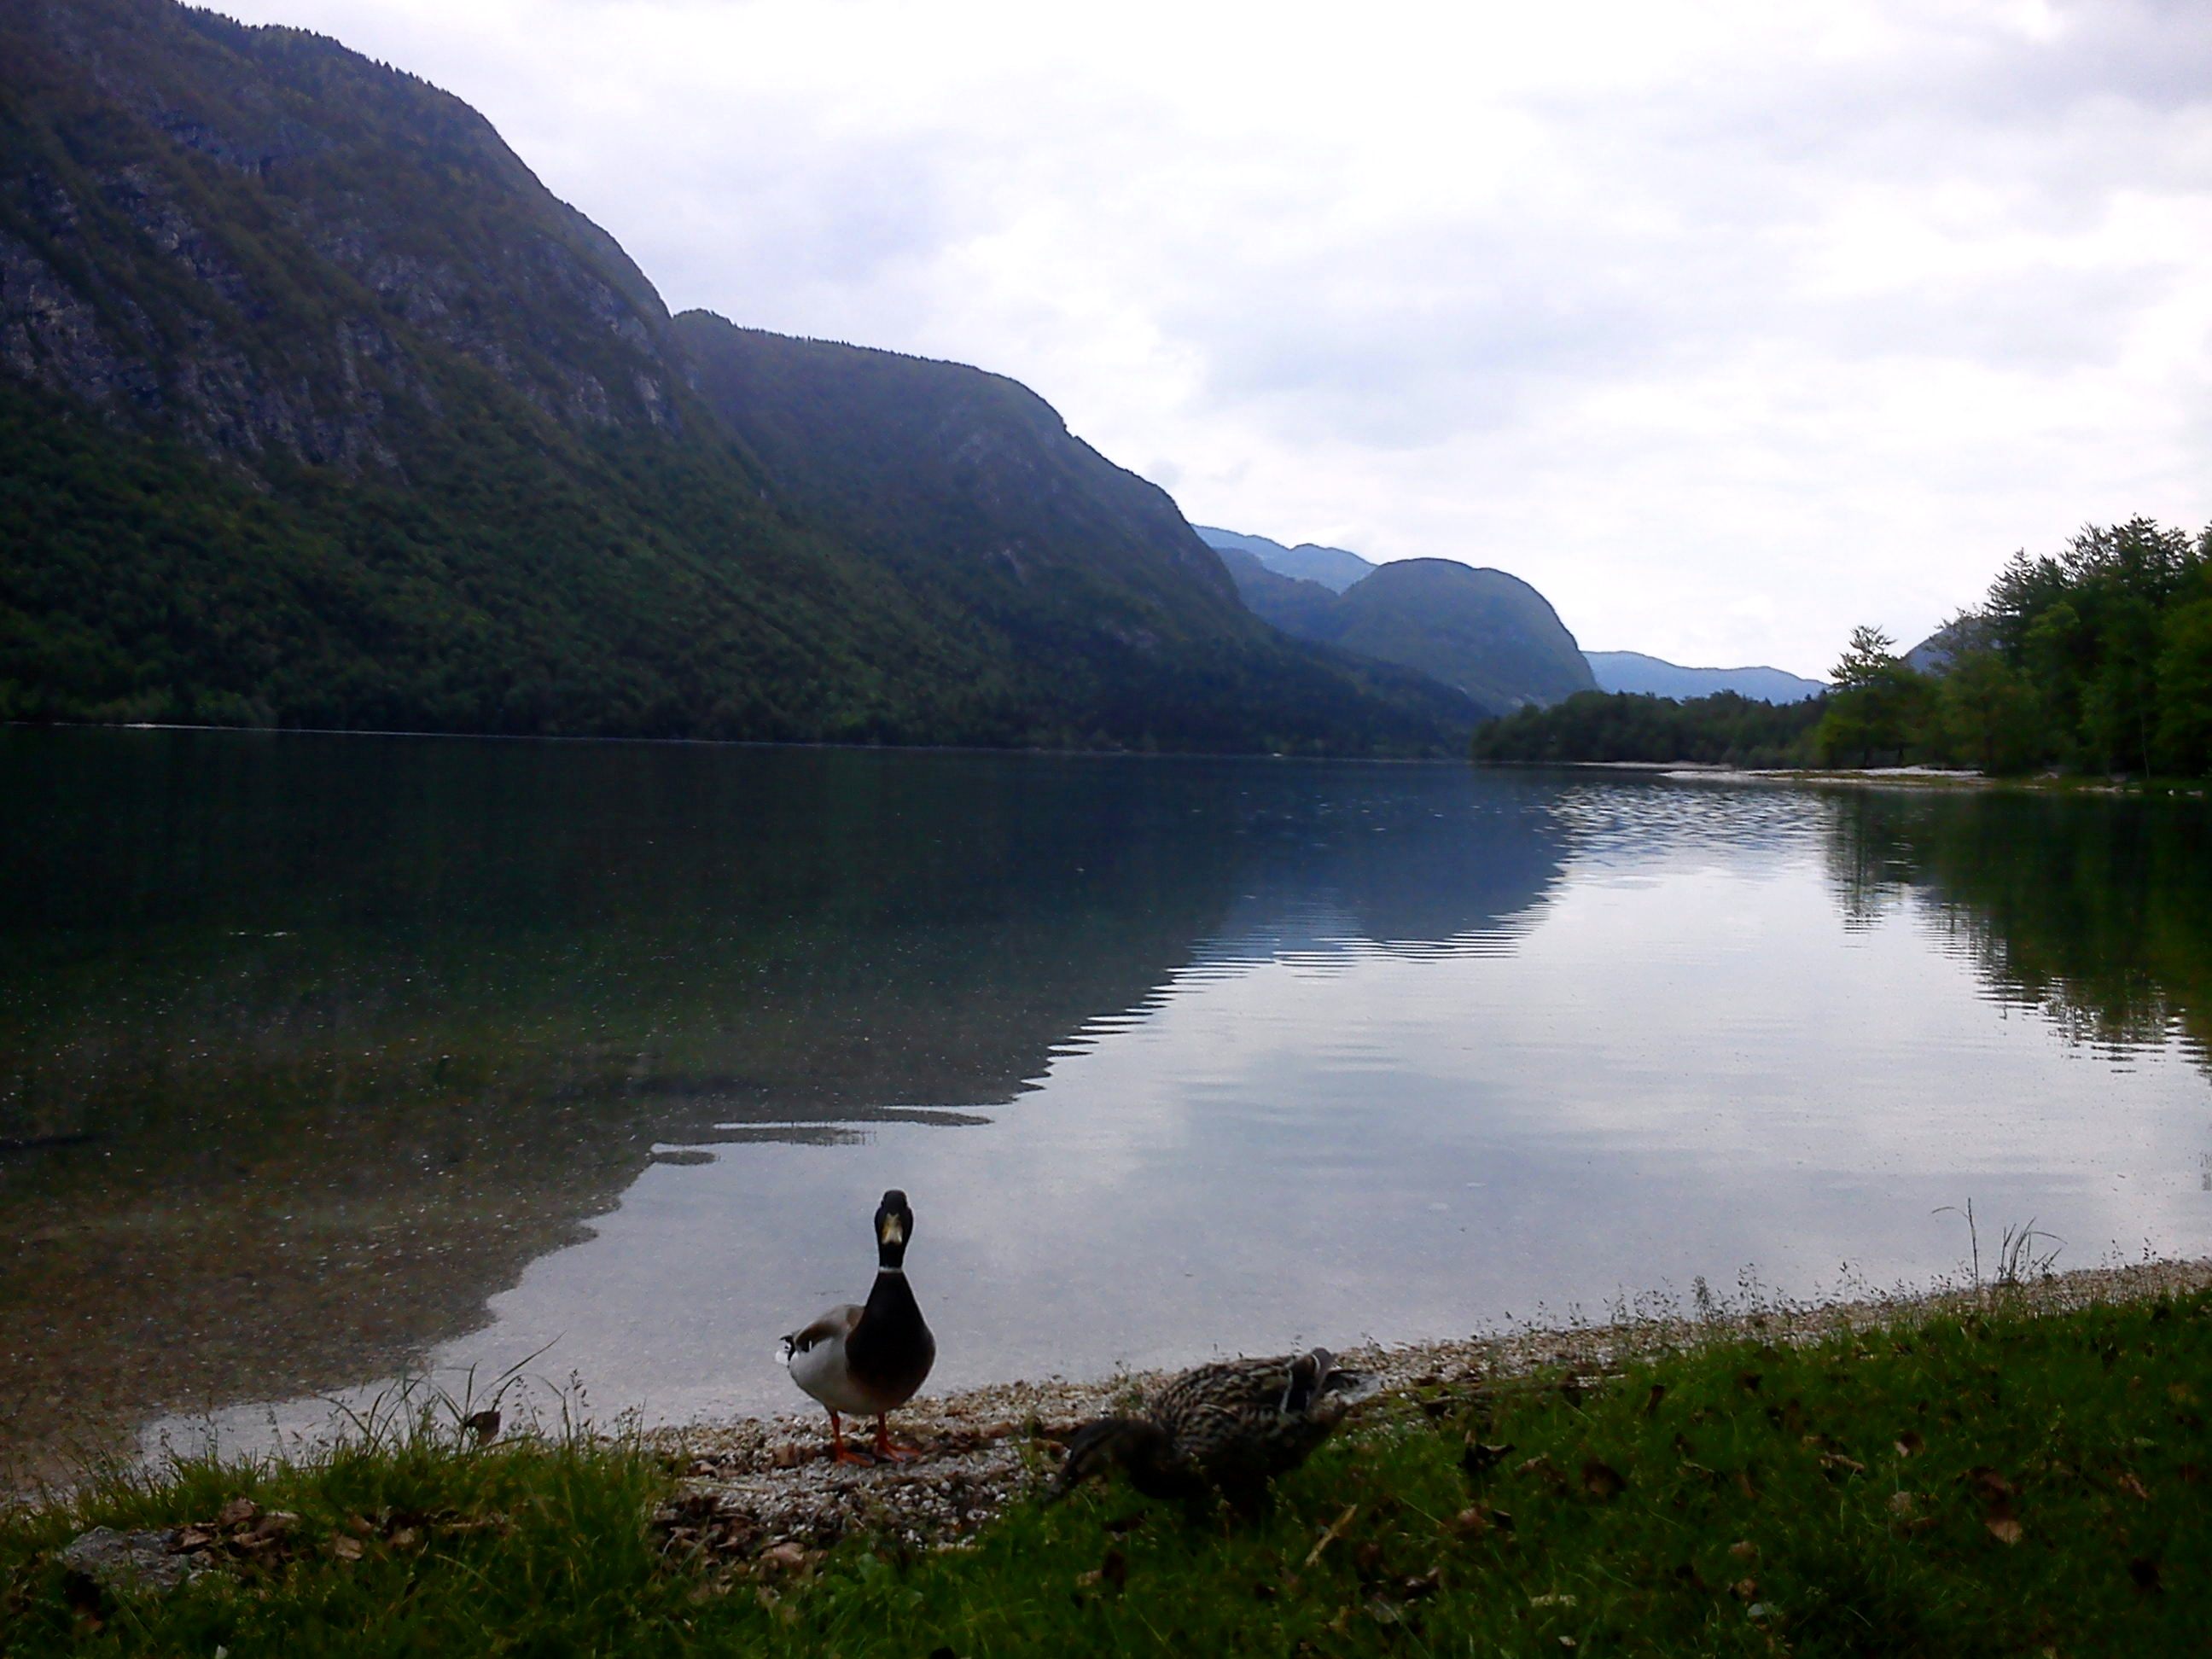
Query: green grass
x=2000 y=1483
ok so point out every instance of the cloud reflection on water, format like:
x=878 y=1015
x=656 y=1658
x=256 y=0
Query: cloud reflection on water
x=613 y=1047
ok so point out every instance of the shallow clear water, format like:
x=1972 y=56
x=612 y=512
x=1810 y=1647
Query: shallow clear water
x=343 y=1057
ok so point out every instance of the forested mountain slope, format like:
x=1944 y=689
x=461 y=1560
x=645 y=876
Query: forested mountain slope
x=1481 y=631
x=968 y=488
x=316 y=408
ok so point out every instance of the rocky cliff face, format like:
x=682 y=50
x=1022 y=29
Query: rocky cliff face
x=316 y=408
x=249 y=235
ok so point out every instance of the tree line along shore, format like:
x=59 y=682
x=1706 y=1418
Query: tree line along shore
x=2093 y=661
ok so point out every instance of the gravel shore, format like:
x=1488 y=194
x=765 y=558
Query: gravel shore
x=767 y=1488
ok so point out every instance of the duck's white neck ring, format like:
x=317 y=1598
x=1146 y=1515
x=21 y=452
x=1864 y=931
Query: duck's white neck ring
x=880 y=1268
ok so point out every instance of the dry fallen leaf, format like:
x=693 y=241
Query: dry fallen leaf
x=2131 y=1484
x=237 y=1512
x=2004 y=1529
x=1744 y=1550
x=1910 y=1444
x=784 y=1558
x=345 y=1548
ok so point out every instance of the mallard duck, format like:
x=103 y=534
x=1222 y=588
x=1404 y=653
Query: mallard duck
x=868 y=1361
x=1228 y=1427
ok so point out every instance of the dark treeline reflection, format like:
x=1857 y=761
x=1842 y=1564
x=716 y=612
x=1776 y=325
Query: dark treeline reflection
x=308 y=1045
x=2096 y=910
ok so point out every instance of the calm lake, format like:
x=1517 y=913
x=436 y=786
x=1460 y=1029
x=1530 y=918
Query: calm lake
x=323 y=1059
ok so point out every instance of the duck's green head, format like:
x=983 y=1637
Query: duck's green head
x=894 y=1227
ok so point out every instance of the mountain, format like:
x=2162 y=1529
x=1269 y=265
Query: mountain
x=316 y=408
x=1331 y=567
x=1304 y=608
x=1632 y=670
x=1967 y=631
x=1485 y=633
x=1490 y=634
x=967 y=488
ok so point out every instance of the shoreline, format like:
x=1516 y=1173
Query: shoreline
x=2011 y=1465
x=1448 y=758
x=1872 y=777
x=752 y=1485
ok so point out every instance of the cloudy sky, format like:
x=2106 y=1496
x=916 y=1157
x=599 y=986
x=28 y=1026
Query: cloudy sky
x=1729 y=325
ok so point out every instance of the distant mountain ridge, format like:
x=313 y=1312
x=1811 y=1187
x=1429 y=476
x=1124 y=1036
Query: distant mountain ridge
x=316 y=408
x=1309 y=614
x=1633 y=670
x=1483 y=632
x=1333 y=568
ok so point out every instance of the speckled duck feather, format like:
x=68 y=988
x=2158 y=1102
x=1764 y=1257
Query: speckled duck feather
x=1231 y=1425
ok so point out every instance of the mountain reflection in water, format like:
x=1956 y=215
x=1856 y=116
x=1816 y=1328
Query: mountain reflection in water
x=388 y=1052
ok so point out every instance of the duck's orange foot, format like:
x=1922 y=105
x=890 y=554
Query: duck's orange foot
x=888 y=1452
x=841 y=1452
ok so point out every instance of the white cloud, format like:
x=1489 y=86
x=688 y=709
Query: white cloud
x=1727 y=327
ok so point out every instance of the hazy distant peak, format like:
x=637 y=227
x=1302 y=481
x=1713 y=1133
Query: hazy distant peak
x=1633 y=670
x=1967 y=631
x=1334 y=568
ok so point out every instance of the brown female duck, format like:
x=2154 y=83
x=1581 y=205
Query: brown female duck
x=1229 y=1427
